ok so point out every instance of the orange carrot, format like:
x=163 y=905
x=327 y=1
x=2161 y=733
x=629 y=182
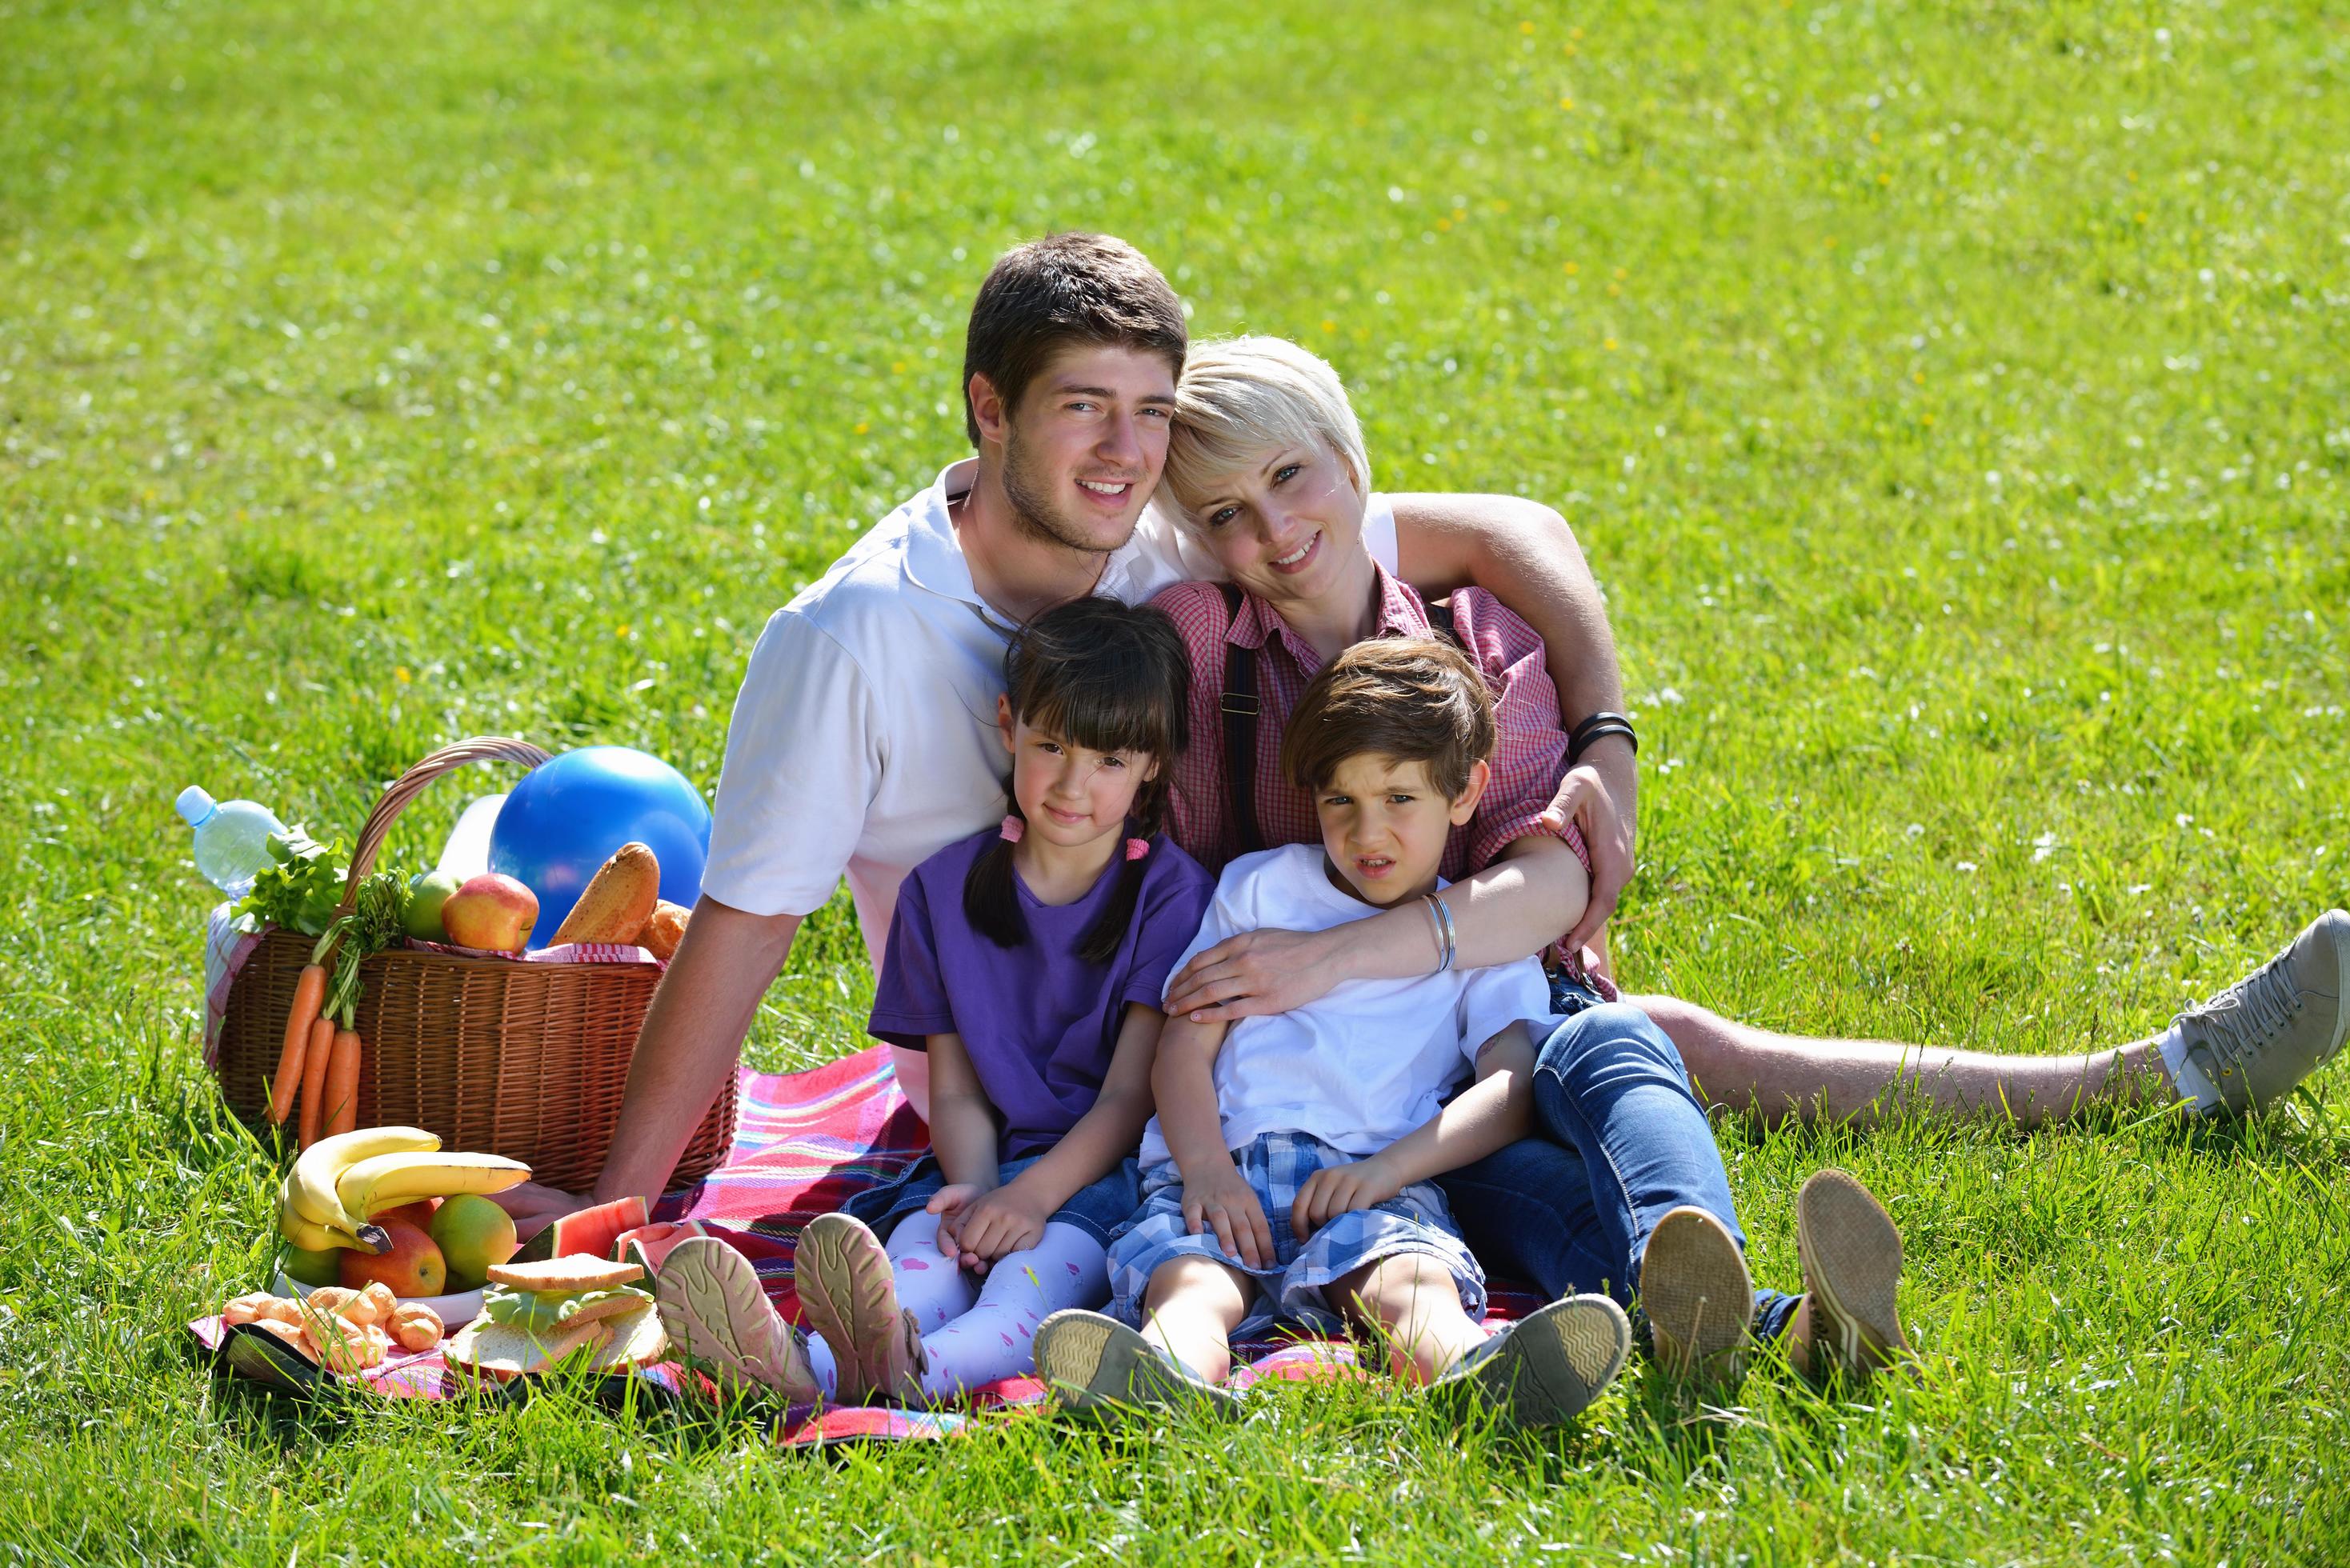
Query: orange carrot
x=343 y=1084
x=314 y=1078
x=309 y=992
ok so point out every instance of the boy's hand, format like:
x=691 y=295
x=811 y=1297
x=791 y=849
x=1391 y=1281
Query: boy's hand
x=1336 y=1189
x=1225 y=1202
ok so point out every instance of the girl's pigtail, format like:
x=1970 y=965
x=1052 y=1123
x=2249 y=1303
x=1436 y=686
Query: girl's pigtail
x=1102 y=940
x=990 y=902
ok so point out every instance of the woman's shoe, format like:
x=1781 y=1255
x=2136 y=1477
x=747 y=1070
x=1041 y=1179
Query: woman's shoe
x=849 y=1296
x=1698 y=1296
x=1851 y=1255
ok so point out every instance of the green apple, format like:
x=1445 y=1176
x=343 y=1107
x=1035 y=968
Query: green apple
x=422 y=916
x=319 y=1268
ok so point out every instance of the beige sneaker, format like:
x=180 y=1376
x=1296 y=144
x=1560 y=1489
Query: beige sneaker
x=2257 y=1040
x=1698 y=1296
x=849 y=1297
x=1851 y=1255
x=720 y=1322
x=1544 y=1369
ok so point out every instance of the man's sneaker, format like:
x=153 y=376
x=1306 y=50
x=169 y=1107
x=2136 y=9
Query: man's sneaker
x=1698 y=1296
x=1851 y=1254
x=722 y=1322
x=846 y=1289
x=2262 y=1035
x=1098 y=1364
x=1545 y=1369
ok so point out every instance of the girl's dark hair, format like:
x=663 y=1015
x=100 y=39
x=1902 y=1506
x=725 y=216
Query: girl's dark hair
x=1110 y=677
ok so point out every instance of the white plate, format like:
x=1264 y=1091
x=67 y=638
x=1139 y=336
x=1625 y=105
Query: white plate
x=454 y=1311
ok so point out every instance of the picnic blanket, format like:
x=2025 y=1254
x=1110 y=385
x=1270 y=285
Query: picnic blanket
x=804 y=1143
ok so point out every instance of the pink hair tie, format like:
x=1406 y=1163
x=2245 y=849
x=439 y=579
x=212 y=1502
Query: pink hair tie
x=1012 y=828
x=1136 y=849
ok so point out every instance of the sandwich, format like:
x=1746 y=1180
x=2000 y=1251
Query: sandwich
x=536 y=1316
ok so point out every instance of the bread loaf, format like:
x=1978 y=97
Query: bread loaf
x=618 y=901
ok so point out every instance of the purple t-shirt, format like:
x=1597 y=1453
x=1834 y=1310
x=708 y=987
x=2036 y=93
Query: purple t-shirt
x=1040 y=1022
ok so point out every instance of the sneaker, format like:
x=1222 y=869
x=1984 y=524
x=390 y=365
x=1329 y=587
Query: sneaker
x=1851 y=1255
x=1698 y=1296
x=1098 y=1364
x=2262 y=1035
x=1547 y=1369
x=849 y=1297
x=720 y=1322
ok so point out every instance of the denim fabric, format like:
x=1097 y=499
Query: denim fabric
x=1097 y=1209
x=1621 y=1142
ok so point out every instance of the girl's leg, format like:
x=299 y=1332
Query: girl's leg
x=1412 y=1300
x=1065 y=1268
x=1862 y=1081
x=1191 y=1310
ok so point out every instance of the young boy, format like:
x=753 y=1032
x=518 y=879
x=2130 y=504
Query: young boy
x=1288 y=1170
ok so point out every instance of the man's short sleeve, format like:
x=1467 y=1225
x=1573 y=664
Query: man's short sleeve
x=1494 y=998
x=803 y=761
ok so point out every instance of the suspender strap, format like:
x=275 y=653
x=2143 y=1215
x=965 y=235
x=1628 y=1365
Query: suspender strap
x=1439 y=621
x=1240 y=710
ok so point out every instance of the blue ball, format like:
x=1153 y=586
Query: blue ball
x=568 y=814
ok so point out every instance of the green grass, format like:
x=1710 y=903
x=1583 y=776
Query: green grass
x=1952 y=399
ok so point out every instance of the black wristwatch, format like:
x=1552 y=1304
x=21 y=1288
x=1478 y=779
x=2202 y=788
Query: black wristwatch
x=1598 y=727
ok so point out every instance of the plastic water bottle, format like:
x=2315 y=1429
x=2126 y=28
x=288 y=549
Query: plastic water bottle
x=232 y=839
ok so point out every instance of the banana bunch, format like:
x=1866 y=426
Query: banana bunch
x=341 y=1183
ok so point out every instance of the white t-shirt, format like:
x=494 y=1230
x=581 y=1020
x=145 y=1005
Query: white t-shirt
x=1370 y=1061
x=864 y=738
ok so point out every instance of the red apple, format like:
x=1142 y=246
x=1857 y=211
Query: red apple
x=418 y=1214
x=412 y=1268
x=491 y=911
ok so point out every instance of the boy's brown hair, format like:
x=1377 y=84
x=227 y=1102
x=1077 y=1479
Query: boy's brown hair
x=1062 y=290
x=1413 y=699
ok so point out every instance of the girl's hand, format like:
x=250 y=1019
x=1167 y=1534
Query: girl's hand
x=1260 y=972
x=994 y=1224
x=1226 y=1203
x=1335 y=1189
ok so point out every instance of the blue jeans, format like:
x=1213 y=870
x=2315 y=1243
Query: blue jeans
x=1621 y=1142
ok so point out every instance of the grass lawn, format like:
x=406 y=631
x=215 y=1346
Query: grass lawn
x=1953 y=400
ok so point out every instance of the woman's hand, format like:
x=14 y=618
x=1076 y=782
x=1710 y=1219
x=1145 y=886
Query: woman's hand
x=1224 y=1202
x=1602 y=796
x=1336 y=1189
x=980 y=1225
x=1260 y=972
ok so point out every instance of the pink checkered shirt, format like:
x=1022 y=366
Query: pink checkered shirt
x=1530 y=753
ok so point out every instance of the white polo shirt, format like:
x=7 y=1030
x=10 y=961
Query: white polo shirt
x=1368 y=1061
x=864 y=738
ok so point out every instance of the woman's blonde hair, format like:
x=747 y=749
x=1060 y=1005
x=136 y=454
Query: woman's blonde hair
x=1240 y=397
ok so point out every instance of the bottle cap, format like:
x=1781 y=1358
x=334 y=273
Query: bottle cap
x=195 y=805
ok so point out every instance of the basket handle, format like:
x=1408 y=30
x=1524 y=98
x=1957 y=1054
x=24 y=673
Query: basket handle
x=410 y=785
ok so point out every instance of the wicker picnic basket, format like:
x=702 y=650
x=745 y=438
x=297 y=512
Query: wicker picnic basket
x=526 y=1060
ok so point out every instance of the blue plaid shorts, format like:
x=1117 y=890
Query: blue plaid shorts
x=1276 y=1166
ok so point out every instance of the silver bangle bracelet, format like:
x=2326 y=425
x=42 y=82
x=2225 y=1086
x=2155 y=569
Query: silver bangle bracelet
x=1446 y=945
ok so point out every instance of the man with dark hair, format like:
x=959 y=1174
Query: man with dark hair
x=863 y=737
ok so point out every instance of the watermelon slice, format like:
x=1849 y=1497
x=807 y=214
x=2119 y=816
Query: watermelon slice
x=595 y=1231
x=647 y=1245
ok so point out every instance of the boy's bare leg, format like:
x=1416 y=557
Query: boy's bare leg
x=1191 y=1310
x=1412 y=1300
x=1739 y=1067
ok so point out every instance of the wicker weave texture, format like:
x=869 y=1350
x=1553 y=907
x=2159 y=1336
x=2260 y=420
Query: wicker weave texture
x=526 y=1060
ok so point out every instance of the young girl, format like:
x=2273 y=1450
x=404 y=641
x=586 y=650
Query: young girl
x=1028 y=961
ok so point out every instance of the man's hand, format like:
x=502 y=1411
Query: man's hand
x=534 y=1206
x=1601 y=795
x=1224 y=1202
x=1260 y=972
x=1335 y=1189
x=980 y=1226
